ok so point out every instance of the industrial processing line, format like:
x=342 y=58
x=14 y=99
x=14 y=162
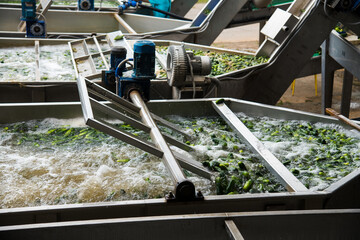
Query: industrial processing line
x=251 y=174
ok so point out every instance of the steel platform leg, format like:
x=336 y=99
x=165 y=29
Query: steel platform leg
x=346 y=93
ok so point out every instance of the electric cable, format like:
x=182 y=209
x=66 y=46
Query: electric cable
x=117 y=69
x=100 y=5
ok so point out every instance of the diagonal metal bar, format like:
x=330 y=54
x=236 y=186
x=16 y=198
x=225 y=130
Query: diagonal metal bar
x=192 y=166
x=177 y=143
x=170 y=125
x=118 y=106
x=290 y=182
x=124 y=136
x=108 y=110
x=101 y=52
x=134 y=123
x=232 y=230
x=128 y=107
x=111 y=96
x=146 y=146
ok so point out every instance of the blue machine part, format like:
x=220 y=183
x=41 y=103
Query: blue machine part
x=144 y=60
x=86 y=5
x=35 y=29
x=28 y=10
x=128 y=4
x=144 y=71
x=117 y=55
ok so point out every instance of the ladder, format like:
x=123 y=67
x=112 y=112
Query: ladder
x=133 y=114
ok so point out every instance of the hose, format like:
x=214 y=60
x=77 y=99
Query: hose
x=117 y=69
x=164 y=12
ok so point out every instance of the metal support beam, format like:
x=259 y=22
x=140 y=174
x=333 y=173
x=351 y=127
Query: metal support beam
x=327 y=78
x=346 y=93
x=348 y=56
x=184 y=189
x=290 y=182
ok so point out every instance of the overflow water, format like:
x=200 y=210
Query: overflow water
x=62 y=161
x=54 y=161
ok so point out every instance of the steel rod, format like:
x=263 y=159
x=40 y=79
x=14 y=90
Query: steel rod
x=37 y=60
x=184 y=189
x=124 y=24
x=170 y=125
x=111 y=96
x=193 y=166
x=108 y=110
x=124 y=136
x=290 y=182
x=135 y=123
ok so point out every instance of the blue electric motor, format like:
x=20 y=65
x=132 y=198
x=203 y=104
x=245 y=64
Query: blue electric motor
x=143 y=72
x=117 y=55
x=144 y=60
x=28 y=10
x=86 y=5
x=34 y=27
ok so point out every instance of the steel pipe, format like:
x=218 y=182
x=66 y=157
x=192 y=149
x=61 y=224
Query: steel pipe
x=184 y=189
